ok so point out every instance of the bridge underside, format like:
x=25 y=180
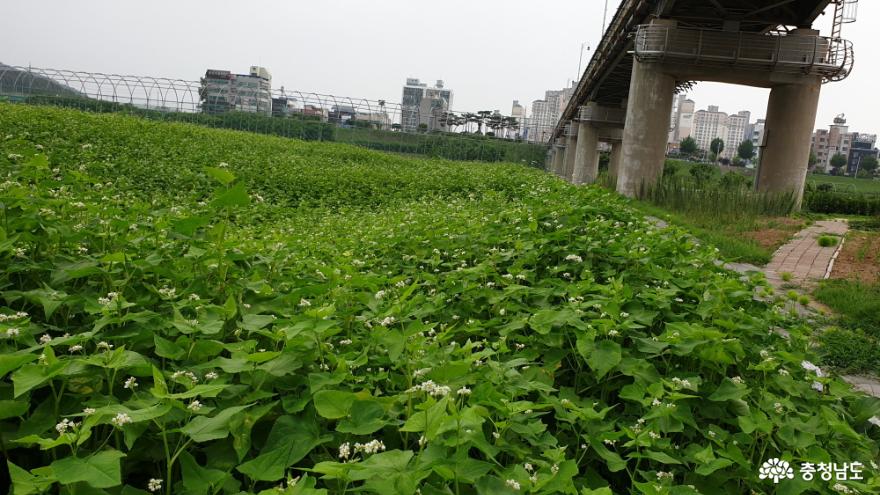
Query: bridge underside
x=654 y=48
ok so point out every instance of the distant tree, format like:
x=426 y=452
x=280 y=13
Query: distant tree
x=838 y=161
x=811 y=164
x=746 y=150
x=868 y=163
x=688 y=146
x=738 y=162
x=716 y=147
x=423 y=127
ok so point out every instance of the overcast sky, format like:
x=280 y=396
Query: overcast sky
x=489 y=52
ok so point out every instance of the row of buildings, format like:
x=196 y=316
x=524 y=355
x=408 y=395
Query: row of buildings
x=838 y=140
x=421 y=108
x=704 y=126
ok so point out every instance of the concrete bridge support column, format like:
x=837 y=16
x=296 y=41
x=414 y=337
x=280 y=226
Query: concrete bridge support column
x=570 y=151
x=647 y=126
x=586 y=159
x=791 y=115
x=614 y=162
x=558 y=153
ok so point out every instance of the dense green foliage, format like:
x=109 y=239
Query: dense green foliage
x=843 y=203
x=440 y=145
x=702 y=188
x=194 y=311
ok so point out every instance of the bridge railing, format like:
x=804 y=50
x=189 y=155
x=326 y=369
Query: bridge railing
x=830 y=58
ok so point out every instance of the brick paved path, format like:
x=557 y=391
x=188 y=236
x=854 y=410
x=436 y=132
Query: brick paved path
x=803 y=257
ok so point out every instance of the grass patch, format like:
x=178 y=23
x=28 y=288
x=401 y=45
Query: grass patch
x=726 y=237
x=850 y=350
x=844 y=184
x=827 y=241
x=857 y=304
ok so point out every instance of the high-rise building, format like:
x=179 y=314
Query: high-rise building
x=732 y=129
x=827 y=143
x=737 y=132
x=421 y=105
x=222 y=91
x=708 y=125
x=682 y=120
x=546 y=113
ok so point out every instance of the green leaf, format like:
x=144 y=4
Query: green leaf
x=333 y=404
x=290 y=440
x=9 y=362
x=167 y=349
x=234 y=196
x=427 y=421
x=712 y=466
x=198 y=480
x=13 y=408
x=101 y=470
x=728 y=390
x=32 y=376
x=605 y=355
x=366 y=418
x=203 y=429
x=25 y=483
x=222 y=176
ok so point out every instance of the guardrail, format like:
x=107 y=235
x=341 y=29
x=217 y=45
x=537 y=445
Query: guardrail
x=830 y=58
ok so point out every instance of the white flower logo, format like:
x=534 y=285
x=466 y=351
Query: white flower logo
x=776 y=469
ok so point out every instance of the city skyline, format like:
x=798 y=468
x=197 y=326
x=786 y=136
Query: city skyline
x=314 y=58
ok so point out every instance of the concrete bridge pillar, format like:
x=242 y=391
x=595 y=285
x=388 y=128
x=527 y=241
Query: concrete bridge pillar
x=791 y=117
x=614 y=162
x=558 y=153
x=586 y=160
x=570 y=151
x=647 y=125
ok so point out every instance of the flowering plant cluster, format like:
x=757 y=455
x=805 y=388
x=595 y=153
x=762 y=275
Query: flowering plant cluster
x=366 y=328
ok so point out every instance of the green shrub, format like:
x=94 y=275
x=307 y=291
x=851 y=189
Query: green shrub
x=827 y=241
x=842 y=203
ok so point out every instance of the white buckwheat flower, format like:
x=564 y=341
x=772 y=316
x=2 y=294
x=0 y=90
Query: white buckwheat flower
x=513 y=484
x=46 y=338
x=304 y=303
x=154 y=485
x=574 y=257
x=812 y=367
x=131 y=383
x=464 y=391
x=194 y=406
x=89 y=411
x=121 y=419
x=13 y=332
x=345 y=451
x=211 y=375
